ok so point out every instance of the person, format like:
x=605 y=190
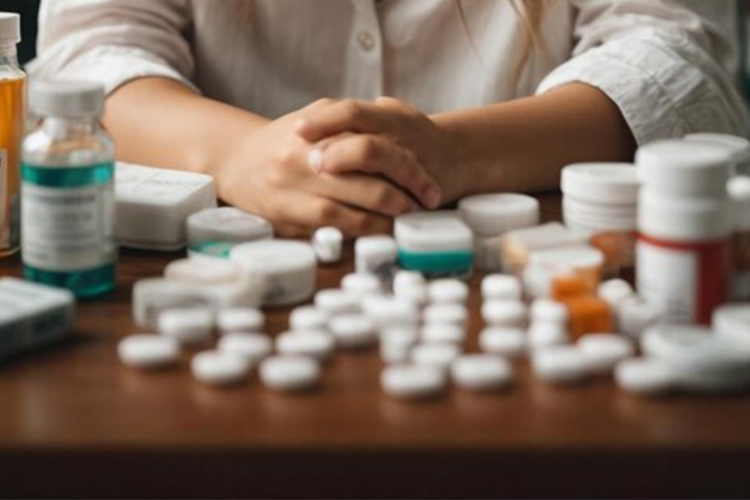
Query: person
x=351 y=112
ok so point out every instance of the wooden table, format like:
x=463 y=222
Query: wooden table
x=74 y=423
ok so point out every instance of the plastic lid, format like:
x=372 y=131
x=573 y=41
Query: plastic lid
x=66 y=98
x=685 y=219
x=685 y=168
x=433 y=231
x=275 y=256
x=738 y=147
x=605 y=183
x=739 y=192
x=10 y=27
x=494 y=214
x=228 y=224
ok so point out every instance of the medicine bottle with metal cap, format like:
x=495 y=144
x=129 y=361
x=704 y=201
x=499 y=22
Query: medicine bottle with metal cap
x=67 y=175
x=12 y=118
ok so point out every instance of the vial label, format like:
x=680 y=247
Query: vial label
x=67 y=228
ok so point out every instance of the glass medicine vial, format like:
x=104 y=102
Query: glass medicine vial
x=68 y=190
x=12 y=119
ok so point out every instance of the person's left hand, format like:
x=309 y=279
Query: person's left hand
x=348 y=134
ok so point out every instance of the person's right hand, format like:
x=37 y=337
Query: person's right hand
x=269 y=174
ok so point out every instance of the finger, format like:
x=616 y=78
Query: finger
x=366 y=192
x=348 y=115
x=377 y=155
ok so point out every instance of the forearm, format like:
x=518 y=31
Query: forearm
x=522 y=145
x=159 y=122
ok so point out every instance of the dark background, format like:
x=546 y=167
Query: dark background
x=29 y=10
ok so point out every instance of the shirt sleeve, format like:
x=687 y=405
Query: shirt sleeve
x=668 y=69
x=114 y=41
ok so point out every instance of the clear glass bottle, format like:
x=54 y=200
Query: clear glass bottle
x=68 y=190
x=12 y=122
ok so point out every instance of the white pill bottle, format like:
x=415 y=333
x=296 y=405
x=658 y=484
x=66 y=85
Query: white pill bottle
x=685 y=228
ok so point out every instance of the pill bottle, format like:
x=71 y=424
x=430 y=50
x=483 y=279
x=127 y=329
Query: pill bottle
x=738 y=147
x=68 y=190
x=739 y=192
x=684 y=221
x=12 y=120
x=601 y=200
x=490 y=217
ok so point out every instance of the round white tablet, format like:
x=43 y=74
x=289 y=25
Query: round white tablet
x=253 y=347
x=337 y=301
x=290 y=373
x=219 y=368
x=502 y=287
x=503 y=341
x=646 y=376
x=412 y=382
x=407 y=278
x=417 y=294
x=386 y=311
x=362 y=284
x=446 y=313
x=396 y=343
x=353 y=331
x=435 y=355
x=559 y=365
x=309 y=318
x=240 y=320
x=635 y=316
x=511 y=313
x=613 y=292
x=542 y=335
x=449 y=291
x=481 y=372
x=328 y=244
x=443 y=332
x=604 y=351
x=549 y=311
x=316 y=344
x=392 y=354
x=187 y=326
x=148 y=351
x=204 y=271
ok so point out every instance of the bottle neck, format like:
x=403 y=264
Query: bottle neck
x=8 y=54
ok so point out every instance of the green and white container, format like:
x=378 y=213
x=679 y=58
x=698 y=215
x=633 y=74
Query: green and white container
x=68 y=201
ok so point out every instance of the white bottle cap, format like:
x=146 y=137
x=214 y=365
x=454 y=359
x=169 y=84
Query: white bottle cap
x=604 y=351
x=353 y=331
x=226 y=225
x=240 y=320
x=559 y=365
x=502 y=287
x=252 y=347
x=503 y=341
x=495 y=214
x=435 y=355
x=328 y=244
x=219 y=368
x=413 y=382
x=447 y=291
x=645 y=376
x=738 y=147
x=684 y=219
x=148 y=351
x=733 y=322
x=290 y=373
x=335 y=301
x=309 y=318
x=446 y=313
x=433 y=232
x=739 y=192
x=510 y=313
x=549 y=311
x=187 y=326
x=443 y=333
x=362 y=284
x=10 y=28
x=602 y=183
x=66 y=98
x=481 y=372
x=684 y=168
x=316 y=344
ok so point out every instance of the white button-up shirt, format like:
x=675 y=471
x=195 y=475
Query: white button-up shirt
x=670 y=70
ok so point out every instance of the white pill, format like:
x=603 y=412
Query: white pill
x=443 y=332
x=435 y=355
x=253 y=347
x=635 y=316
x=187 y=326
x=240 y=320
x=646 y=376
x=502 y=287
x=148 y=351
x=604 y=351
x=219 y=368
x=613 y=292
x=316 y=344
x=392 y=354
x=542 y=335
x=417 y=294
x=449 y=291
x=481 y=372
x=328 y=244
x=412 y=382
x=385 y=311
x=505 y=313
x=504 y=341
x=337 y=301
x=290 y=373
x=559 y=365
x=375 y=254
x=446 y=313
x=396 y=343
x=362 y=284
x=549 y=311
x=353 y=331
x=309 y=318
x=407 y=278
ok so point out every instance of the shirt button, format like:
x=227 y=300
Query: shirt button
x=366 y=41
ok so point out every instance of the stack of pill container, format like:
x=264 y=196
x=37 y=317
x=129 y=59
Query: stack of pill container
x=685 y=227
